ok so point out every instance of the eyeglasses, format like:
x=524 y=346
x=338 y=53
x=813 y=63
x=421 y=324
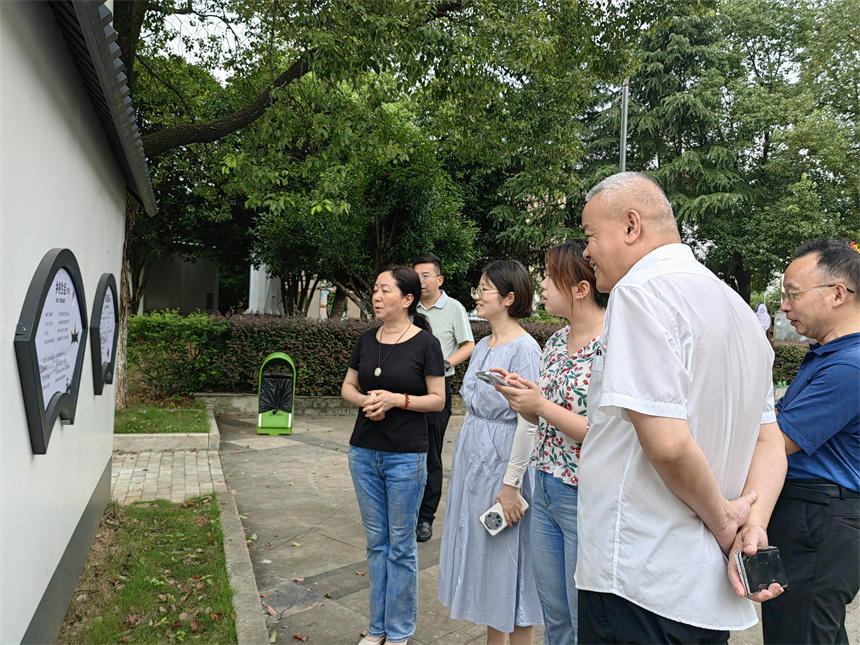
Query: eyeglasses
x=789 y=295
x=424 y=277
x=478 y=292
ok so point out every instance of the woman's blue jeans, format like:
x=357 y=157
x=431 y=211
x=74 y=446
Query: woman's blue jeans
x=389 y=487
x=553 y=544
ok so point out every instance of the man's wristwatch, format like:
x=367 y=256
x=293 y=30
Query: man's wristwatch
x=447 y=365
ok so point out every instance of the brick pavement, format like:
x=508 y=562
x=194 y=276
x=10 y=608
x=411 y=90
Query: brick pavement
x=176 y=476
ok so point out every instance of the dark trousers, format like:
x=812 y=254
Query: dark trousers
x=818 y=536
x=607 y=618
x=437 y=422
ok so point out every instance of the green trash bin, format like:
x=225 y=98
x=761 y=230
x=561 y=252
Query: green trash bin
x=277 y=396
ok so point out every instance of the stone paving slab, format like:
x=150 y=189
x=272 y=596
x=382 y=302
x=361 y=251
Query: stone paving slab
x=146 y=476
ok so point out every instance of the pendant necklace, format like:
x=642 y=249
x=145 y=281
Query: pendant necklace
x=378 y=371
x=502 y=337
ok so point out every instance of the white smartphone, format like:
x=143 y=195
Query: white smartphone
x=494 y=518
x=491 y=378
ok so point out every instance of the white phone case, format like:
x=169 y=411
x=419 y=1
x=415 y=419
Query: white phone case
x=493 y=519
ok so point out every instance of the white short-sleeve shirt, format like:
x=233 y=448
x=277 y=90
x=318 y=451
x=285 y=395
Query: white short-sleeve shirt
x=677 y=342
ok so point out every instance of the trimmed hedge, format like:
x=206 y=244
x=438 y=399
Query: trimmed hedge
x=177 y=355
x=787 y=358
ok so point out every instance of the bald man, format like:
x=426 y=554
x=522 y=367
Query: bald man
x=683 y=461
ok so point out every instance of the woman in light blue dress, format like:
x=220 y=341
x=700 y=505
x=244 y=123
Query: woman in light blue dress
x=483 y=578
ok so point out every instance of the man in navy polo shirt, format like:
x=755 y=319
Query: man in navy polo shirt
x=816 y=522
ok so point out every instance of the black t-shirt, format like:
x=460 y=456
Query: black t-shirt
x=403 y=372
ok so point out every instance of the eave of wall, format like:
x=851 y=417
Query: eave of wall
x=91 y=40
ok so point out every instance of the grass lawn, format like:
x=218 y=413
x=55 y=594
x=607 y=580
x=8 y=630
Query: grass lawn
x=141 y=418
x=156 y=574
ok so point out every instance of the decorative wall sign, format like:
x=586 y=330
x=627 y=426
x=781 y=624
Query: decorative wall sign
x=50 y=343
x=104 y=331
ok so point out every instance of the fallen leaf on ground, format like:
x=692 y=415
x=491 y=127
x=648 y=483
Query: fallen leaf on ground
x=296 y=544
x=361 y=573
x=300 y=579
x=299 y=637
x=265 y=595
x=268 y=544
x=274 y=636
x=195 y=625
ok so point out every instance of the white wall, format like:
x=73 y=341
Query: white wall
x=59 y=187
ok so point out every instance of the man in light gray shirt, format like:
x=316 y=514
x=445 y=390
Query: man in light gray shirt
x=450 y=325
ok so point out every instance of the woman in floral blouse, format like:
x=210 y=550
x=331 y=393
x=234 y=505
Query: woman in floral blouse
x=557 y=404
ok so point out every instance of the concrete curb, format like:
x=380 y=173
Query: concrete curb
x=171 y=442
x=250 y=621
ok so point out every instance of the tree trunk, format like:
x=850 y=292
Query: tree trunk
x=744 y=280
x=338 y=304
x=309 y=287
x=140 y=271
x=132 y=209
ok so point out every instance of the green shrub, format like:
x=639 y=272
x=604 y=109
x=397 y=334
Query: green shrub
x=787 y=358
x=175 y=355
x=178 y=355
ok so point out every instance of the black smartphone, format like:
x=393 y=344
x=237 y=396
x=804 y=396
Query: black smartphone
x=760 y=570
x=491 y=378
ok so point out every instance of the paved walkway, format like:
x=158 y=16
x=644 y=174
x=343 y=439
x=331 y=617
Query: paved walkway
x=294 y=494
x=145 y=476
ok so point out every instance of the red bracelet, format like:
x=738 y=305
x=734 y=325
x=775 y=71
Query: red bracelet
x=406 y=405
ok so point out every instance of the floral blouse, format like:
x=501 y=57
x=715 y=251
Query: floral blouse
x=563 y=380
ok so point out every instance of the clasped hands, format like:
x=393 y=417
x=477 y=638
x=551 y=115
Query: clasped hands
x=735 y=534
x=738 y=533
x=378 y=402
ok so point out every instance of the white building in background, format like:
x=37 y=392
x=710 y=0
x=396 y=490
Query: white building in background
x=264 y=297
x=69 y=156
x=264 y=293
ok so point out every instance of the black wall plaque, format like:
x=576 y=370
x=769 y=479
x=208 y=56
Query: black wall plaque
x=50 y=343
x=104 y=331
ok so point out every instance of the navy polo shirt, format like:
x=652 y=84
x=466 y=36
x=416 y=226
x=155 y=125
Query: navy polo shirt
x=820 y=412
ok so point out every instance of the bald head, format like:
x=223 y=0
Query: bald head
x=626 y=191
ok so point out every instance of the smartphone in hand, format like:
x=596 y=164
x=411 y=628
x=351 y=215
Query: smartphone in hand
x=760 y=570
x=491 y=378
x=493 y=519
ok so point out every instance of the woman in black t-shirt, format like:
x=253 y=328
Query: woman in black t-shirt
x=395 y=375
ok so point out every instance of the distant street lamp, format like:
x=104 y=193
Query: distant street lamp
x=625 y=91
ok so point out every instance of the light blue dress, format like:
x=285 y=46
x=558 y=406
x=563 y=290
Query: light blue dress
x=487 y=579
